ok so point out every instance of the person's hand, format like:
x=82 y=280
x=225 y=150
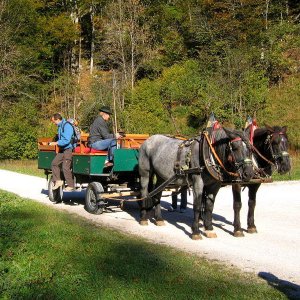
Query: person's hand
x=52 y=143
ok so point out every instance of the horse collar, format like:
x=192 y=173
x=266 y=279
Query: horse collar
x=179 y=168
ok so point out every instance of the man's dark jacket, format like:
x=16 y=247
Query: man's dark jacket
x=99 y=130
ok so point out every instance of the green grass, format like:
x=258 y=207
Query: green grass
x=294 y=173
x=29 y=167
x=47 y=254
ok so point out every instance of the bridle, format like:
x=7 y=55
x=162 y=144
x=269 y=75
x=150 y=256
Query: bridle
x=270 y=141
x=239 y=164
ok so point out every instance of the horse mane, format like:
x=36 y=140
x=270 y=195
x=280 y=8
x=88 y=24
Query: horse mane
x=260 y=132
x=268 y=129
x=220 y=140
x=277 y=128
x=220 y=136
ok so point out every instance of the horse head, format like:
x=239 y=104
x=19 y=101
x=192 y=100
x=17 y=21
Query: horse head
x=276 y=144
x=239 y=154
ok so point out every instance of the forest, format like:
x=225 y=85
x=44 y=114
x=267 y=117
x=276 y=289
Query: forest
x=163 y=66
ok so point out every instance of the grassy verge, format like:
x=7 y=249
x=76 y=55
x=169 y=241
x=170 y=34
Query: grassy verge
x=48 y=254
x=294 y=173
x=28 y=167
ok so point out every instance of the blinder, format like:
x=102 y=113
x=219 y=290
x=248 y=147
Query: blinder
x=239 y=163
x=270 y=141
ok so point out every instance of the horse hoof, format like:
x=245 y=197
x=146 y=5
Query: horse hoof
x=210 y=234
x=252 y=230
x=143 y=222
x=196 y=237
x=238 y=233
x=160 y=223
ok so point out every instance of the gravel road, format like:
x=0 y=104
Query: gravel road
x=272 y=253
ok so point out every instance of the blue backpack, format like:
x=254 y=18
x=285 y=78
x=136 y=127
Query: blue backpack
x=76 y=131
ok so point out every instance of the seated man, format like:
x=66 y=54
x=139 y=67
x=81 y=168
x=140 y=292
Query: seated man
x=100 y=137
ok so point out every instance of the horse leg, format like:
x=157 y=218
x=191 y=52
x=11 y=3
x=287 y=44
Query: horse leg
x=195 y=226
x=197 y=193
x=237 y=205
x=145 y=180
x=251 y=207
x=210 y=195
x=143 y=214
x=159 y=221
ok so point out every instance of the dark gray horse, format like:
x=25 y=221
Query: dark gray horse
x=272 y=146
x=159 y=156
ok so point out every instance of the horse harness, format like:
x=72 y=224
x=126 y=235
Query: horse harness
x=185 y=170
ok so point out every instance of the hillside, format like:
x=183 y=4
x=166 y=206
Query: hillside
x=163 y=66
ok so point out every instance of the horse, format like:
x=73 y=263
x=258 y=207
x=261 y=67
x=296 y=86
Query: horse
x=271 y=152
x=166 y=158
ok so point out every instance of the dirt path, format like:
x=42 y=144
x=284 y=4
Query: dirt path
x=273 y=253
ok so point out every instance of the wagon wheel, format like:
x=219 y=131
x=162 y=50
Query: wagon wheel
x=54 y=195
x=92 y=198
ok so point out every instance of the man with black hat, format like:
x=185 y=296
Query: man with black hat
x=100 y=137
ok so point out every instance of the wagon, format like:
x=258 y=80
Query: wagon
x=89 y=171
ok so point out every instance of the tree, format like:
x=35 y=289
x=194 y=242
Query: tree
x=125 y=40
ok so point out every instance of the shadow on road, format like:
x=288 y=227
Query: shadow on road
x=175 y=218
x=291 y=290
x=224 y=221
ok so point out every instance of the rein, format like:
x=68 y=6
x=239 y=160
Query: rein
x=263 y=157
x=205 y=133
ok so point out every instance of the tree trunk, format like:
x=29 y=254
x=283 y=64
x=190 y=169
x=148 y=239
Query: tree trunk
x=121 y=40
x=266 y=13
x=114 y=84
x=92 y=12
x=132 y=55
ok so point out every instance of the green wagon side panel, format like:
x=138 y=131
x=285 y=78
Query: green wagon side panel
x=45 y=159
x=88 y=164
x=126 y=160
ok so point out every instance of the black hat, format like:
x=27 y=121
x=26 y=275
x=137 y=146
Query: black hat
x=106 y=109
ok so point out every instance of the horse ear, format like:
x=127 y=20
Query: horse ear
x=284 y=129
x=230 y=133
x=270 y=128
